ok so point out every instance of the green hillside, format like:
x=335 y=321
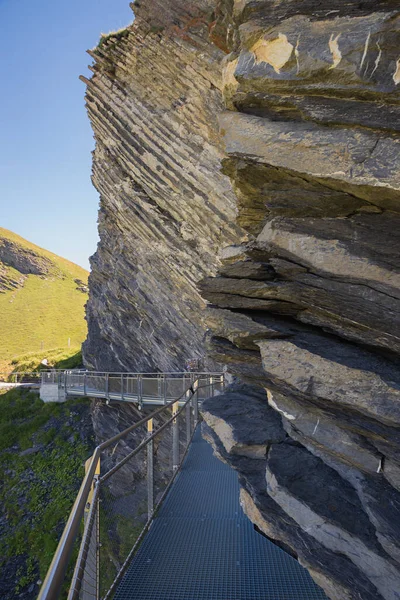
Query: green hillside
x=42 y=298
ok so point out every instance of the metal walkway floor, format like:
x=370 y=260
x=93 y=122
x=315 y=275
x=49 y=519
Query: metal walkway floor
x=201 y=546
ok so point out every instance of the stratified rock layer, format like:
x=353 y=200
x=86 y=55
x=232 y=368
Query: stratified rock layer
x=307 y=309
x=304 y=297
x=23 y=261
x=165 y=207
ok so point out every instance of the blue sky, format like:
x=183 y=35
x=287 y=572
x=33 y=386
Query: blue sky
x=45 y=137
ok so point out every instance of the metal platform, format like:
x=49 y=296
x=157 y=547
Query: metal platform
x=202 y=546
x=153 y=389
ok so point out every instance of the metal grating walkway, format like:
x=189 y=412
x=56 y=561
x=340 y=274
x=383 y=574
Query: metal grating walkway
x=201 y=546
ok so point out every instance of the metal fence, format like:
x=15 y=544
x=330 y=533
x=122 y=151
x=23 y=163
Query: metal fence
x=150 y=388
x=126 y=480
x=23 y=377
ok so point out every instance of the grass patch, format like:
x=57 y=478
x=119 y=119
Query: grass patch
x=113 y=36
x=46 y=311
x=57 y=358
x=43 y=448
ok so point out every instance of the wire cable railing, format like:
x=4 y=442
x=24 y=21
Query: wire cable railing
x=126 y=480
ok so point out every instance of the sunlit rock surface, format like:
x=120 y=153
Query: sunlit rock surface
x=307 y=309
x=247 y=155
x=165 y=206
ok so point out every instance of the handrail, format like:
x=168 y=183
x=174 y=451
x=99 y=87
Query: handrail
x=51 y=587
x=148 y=439
x=142 y=374
x=55 y=576
x=143 y=421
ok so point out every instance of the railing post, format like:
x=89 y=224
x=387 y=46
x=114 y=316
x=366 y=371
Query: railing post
x=84 y=384
x=188 y=417
x=222 y=381
x=107 y=386
x=140 y=391
x=90 y=579
x=195 y=400
x=150 y=471
x=165 y=389
x=175 y=437
x=159 y=393
x=122 y=386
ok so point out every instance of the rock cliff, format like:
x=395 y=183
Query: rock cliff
x=307 y=309
x=16 y=262
x=166 y=208
x=253 y=145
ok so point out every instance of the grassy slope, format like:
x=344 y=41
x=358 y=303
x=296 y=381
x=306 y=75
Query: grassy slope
x=37 y=489
x=45 y=311
x=58 y=358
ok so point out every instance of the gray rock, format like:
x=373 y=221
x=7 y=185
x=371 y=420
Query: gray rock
x=293 y=234
x=238 y=328
x=337 y=374
x=392 y=472
x=312 y=428
x=233 y=414
x=334 y=572
x=362 y=160
x=345 y=529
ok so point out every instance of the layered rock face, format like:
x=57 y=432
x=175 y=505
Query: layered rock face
x=22 y=261
x=305 y=203
x=166 y=208
x=306 y=311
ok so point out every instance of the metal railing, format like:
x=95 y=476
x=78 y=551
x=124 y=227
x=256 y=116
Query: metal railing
x=22 y=377
x=119 y=497
x=144 y=388
x=28 y=377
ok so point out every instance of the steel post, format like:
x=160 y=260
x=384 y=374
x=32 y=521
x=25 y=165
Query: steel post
x=140 y=391
x=150 y=471
x=90 y=580
x=159 y=386
x=122 y=386
x=84 y=384
x=195 y=400
x=175 y=437
x=107 y=386
x=188 y=417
